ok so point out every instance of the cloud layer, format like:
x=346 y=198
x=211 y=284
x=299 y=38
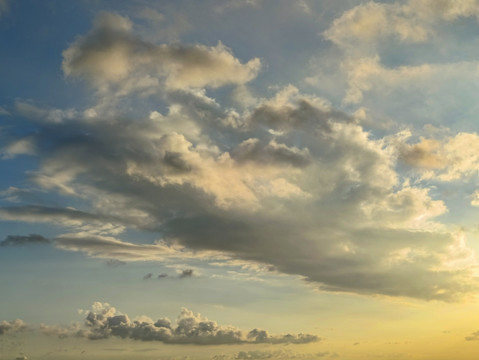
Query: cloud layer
x=288 y=181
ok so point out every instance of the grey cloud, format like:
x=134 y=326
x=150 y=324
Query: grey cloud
x=12 y=326
x=254 y=150
x=344 y=221
x=111 y=54
x=148 y=276
x=103 y=322
x=284 y=354
x=34 y=213
x=186 y=273
x=473 y=337
x=19 y=240
x=4 y=7
x=115 y=263
x=303 y=113
x=162 y=275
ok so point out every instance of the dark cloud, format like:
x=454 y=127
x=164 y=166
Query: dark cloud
x=115 y=263
x=284 y=354
x=148 y=276
x=186 y=273
x=104 y=322
x=473 y=337
x=18 y=240
x=162 y=275
x=254 y=150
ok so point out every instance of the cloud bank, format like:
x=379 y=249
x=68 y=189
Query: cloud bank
x=104 y=322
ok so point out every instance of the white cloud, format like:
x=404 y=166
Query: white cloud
x=24 y=146
x=412 y=21
x=107 y=247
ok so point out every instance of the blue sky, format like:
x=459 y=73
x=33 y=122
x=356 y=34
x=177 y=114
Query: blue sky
x=239 y=179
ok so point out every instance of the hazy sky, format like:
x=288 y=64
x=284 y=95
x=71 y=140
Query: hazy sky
x=239 y=179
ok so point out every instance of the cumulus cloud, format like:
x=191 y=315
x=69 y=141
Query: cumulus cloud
x=288 y=181
x=270 y=153
x=408 y=21
x=111 y=55
x=298 y=185
x=18 y=240
x=105 y=322
x=448 y=159
x=12 y=326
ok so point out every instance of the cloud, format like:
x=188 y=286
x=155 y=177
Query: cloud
x=105 y=322
x=368 y=78
x=64 y=216
x=412 y=21
x=278 y=355
x=473 y=337
x=287 y=181
x=231 y=5
x=330 y=208
x=111 y=55
x=18 y=240
x=4 y=7
x=19 y=147
x=12 y=326
x=186 y=273
x=107 y=247
x=115 y=263
x=148 y=276
x=253 y=150
x=449 y=159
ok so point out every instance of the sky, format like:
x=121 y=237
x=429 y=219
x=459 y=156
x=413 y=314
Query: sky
x=239 y=179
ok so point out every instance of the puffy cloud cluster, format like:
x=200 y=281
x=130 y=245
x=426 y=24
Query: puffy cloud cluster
x=111 y=56
x=104 y=322
x=12 y=326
